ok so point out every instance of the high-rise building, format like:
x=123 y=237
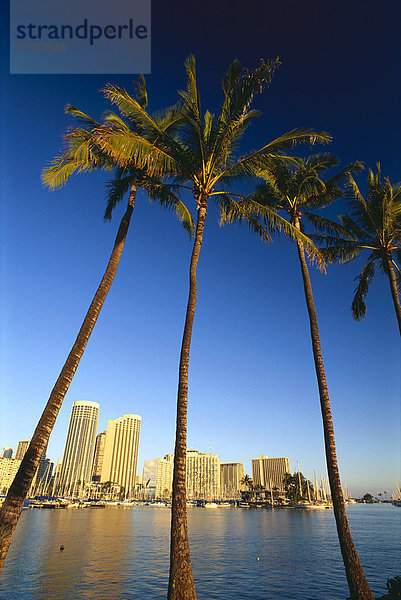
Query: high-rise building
x=7 y=452
x=79 y=447
x=231 y=475
x=43 y=465
x=203 y=476
x=120 y=457
x=164 y=477
x=21 y=449
x=99 y=453
x=269 y=472
x=8 y=470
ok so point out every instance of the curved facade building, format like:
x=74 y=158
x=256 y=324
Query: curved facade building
x=79 y=448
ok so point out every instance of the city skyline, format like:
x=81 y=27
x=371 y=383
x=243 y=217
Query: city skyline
x=252 y=386
x=265 y=472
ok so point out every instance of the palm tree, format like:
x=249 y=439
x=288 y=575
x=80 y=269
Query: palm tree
x=201 y=156
x=84 y=154
x=297 y=190
x=373 y=224
x=248 y=482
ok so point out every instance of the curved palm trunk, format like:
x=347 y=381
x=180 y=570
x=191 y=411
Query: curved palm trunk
x=12 y=506
x=358 y=586
x=394 y=291
x=181 y=584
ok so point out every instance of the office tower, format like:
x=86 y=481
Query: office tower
x=43 y=465
x=79 y=447
x=7 y=452
x=8 y=470
x=99 y=453
x=21 y=449
x=120 y=457
x=269 y=472
x=164 y=477
x=203 y=476
x=231 y=475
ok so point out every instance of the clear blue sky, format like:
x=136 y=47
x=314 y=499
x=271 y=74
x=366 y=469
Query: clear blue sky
x=252 y=382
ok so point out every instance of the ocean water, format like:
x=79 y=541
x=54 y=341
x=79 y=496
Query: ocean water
x=238 y=554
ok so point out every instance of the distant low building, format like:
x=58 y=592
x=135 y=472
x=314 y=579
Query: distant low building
x=149 y=478
x=7 y=452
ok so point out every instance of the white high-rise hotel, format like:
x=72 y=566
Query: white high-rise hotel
x=203 y=476
x=120 y=456
x=79 y=446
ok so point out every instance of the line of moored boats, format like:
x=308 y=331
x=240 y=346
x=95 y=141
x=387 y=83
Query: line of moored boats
x=63 y=503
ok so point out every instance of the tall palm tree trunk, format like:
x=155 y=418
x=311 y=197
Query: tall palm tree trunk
x=181 y=584
x=358 y=586
x=394 y=291
x=12 y=506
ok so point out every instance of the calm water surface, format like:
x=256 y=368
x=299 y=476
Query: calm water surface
x=122 y=554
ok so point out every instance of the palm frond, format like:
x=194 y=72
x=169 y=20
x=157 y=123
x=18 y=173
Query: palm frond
x=141 y=91
x=167 y=196
x=81 y=116
x=354 y=230
x=240 y=87
x=127 y=149
x=261 y=159
x=335 y=249
x=232 y=211
x=323 y=224
x=335 y=186
x=116 y=190
x=358 y=306
x=83 y=154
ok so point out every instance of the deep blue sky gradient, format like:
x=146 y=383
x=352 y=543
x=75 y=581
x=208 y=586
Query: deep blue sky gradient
x=252 y=383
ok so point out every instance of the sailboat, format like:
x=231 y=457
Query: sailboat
x=397 y=497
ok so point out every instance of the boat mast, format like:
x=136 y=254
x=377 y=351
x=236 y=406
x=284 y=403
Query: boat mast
x=299 y=481
x=307 y=487
x=317 y=496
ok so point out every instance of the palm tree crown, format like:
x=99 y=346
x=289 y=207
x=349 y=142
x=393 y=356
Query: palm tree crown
x=84 y=153
x=296 y=188
x=372 y=224
x=201 y=150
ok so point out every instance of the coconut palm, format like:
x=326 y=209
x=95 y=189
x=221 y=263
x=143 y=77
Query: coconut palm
x=84 y=154
x=200 y=155
x=247 y=482
x=373 y=224
x=298 y=190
